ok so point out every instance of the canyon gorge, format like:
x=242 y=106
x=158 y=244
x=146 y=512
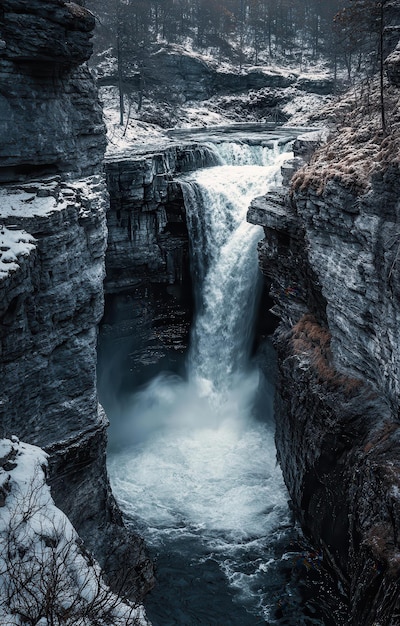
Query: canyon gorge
x=101 y=258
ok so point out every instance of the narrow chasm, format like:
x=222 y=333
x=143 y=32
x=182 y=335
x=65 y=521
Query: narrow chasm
x=186 y=375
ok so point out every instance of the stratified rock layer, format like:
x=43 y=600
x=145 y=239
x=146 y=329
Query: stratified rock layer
x=149 y=304
x=146 y=221
x=50 y=307
x=50 y=117
x=332 y=257
x=53 y=237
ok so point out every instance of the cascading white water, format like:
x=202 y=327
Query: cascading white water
x=202 y=471
x=235 y=153
x=225 y=258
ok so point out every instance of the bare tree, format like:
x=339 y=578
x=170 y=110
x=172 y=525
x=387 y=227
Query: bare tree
x=46 y=576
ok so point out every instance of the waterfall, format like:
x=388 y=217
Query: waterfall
x=224 y=258
x=235 y=153
x=200 y=479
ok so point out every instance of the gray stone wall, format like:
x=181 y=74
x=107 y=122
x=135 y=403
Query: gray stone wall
x=333 y=265
x=53 y=203
x=50 y=117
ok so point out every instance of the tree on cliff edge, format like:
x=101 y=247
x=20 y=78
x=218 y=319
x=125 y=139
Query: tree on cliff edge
x=362 y=26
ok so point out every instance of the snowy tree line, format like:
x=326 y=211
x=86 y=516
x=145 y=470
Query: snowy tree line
x=342 y=31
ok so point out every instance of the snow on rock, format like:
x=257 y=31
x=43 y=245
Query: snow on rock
x=372 y=148
x=269 y=92
x=303 y=106
x=298 y=109
x=46 y=576
x=14 y=244
x=132 y=132
x=36 y=199
x=24 y=206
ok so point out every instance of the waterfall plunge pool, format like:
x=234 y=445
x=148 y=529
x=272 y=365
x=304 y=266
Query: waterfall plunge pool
x=193 y=461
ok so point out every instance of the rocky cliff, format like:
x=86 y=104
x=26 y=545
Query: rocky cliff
x=53 y=203
x=172 y=73
x=331 y=253
x=147 y=223
x=149 y=303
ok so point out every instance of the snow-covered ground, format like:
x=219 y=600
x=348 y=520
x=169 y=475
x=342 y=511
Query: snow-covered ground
x=46 y=577
x=301 y=109
x=14 y=244
x=145 y=129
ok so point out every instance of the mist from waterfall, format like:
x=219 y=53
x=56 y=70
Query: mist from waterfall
x=197 y=474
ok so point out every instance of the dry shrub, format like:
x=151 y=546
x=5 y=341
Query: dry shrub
x=77 y=11
x=359 y=147
x=312 y=340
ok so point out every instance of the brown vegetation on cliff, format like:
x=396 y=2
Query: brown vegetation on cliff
x=359 y=147
x=311 y=340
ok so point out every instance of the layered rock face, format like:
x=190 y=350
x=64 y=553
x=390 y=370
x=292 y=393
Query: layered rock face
x=50 y=120
x=147 y=224
x=193 y=79
x=54 y=292
x=53 y=237
x=171 y=74
x=332 y=257
x=147 y=264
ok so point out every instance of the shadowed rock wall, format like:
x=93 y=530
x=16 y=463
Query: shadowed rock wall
x=53 y=235
x=149 y=304
x=332 y=258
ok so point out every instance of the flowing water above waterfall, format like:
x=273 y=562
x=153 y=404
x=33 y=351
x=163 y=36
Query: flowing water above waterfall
x=196 y=473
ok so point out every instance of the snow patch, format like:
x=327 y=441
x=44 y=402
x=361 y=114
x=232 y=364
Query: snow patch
x=46 y=577
x=302 y=107
x=37 y=200
x=14 y=244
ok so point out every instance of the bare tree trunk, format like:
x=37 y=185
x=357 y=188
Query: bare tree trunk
x=381 y=66
x=120 y=80
x=119 y=65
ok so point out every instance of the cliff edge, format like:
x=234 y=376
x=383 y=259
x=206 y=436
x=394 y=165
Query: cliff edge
x=331 y=254
x=53 y=202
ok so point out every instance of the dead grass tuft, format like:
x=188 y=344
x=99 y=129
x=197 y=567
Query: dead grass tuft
x=359 y=148
x=312 y=340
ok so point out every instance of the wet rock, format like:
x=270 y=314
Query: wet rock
x=147 y=263
x=331 y=258
x=146 y=220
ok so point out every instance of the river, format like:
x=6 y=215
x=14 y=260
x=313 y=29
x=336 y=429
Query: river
x=197 y=473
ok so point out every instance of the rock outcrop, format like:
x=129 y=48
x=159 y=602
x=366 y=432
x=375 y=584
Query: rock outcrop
x=331 y=254
x=50 y=117
x=53 y=234
x=147 y=263
x=146 y=221
x=171 y=74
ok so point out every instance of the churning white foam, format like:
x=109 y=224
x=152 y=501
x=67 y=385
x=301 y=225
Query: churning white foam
x=208 y=467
